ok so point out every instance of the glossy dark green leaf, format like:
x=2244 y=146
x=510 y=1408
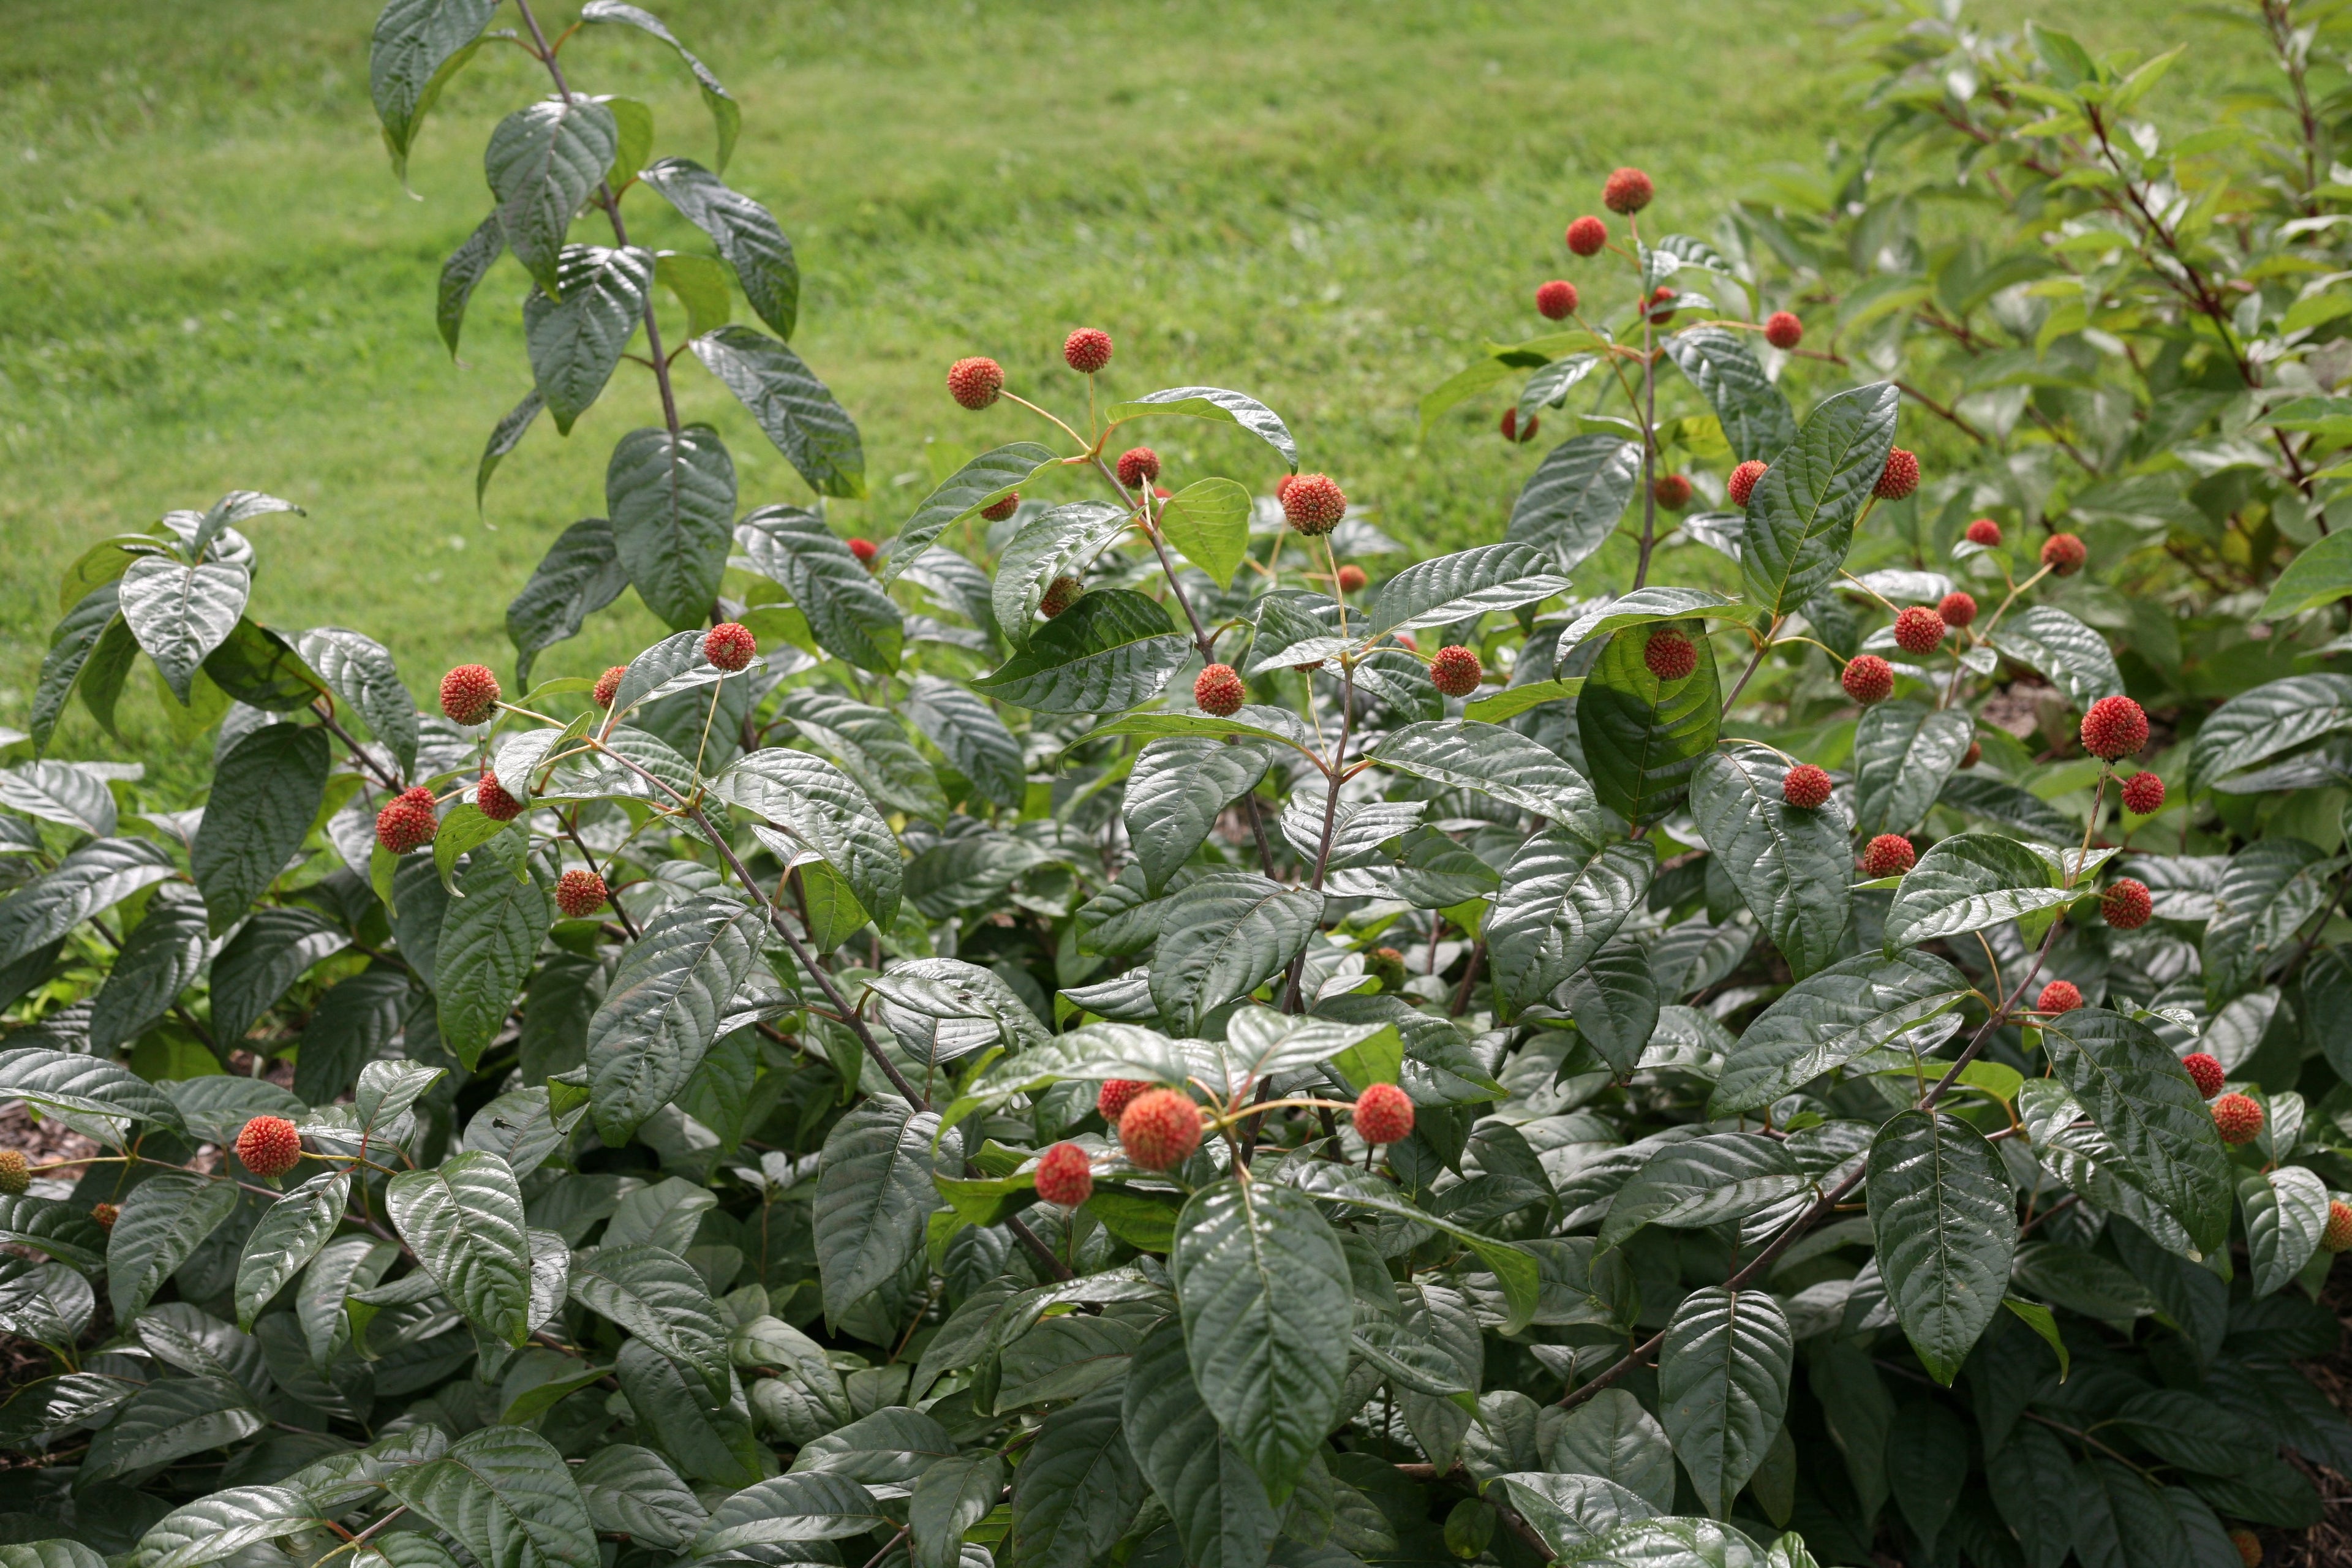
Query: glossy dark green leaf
x=490 y=934
x=1079 y=1488
x=169 y=1419
x=266 y=956
x=461 y=273
x=1800 y=520
x=576 y=333
x=2269 y=891
x=662 y=1009
x=2005 y=806
x=746 y=233
x=872 y=747
x=1968 y=882
x=227 y=1522
x=360 y=670
x=1792 y=867
x=2268 y=721
x=161 y=957
x=2286 y=1214
x=1057 y=542
x=163 y=1221
x=632 y=1492
x=1222 y=937
x=673 y=510
x=464 y=1221
x=974 y=739
x=1723 y=1386
x=1219 y=1506
x=1175 y=793
x=506 y=1496
x=505 y=436
x=823 y=811
x=71 y=645
x=1112 y=651
x=2129 y=1083
x=1753 y=412
x=1463 y=585
x=726 y=114
x=1644 y=737
x=1217 y=405
x=848 y=614
x=951 y=1497
x=655 y=1295
x=874 y=1197
x=581 y=574
x=1701 y=1182
x=1820 y=1023
x=2075 y=658
x=180 y=613
x=1562 y=896
x=1903 y=754
x=796 y=410
x=259 y=667
x=290 y=1233
x=1573 y=499
x=1942 y=1210
x=542 y=164
x=265 y=795
x=418 y=46
x=994 y=474
x=1496 y=762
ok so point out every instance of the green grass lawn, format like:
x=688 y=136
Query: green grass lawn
x=209 y=276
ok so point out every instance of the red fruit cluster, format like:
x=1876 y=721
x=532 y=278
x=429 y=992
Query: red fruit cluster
x=1001 y=508
x=1888 y=855
x=105 y=1215
x=15 y=1174
x=1457 y=671
x=1673 y=491
x=1384 y=1114
x=2127 y=905
x=2058 y=996
x=1115 y=1096
x=1138 y=466
x=1087 y=350
x=1065 y=1175
x=976 y=381
x=1218 y=690
x=2064 y=553
x=1742 y=483
x=1351 y=577
x=1556 y=301
x=1985 y=531
x=2248 y=1545
x=1918 y=629
x=1513 y=430
x=2205 y=1072
x=470 y=694
x=2337 y=1235
x=492 y=800
x=1973 y=755
x=729 y=646
x=866 y=550
x=1806 y=788
x=1626 y=190
x=1783 y=330
x=408 y=822
x=1587 y=235
x=2143 y=794
x=1313 y=504
x=608 y=685
x=1060 y=594
x=269 y=1146
x=2114 y=727
x=1660 y=304
x=2239 y=1117
x=1957 y=609
x=1899 y=477
x=580 y=894
x=1159 y=1129
x=1868 y=678
x=1670 y=655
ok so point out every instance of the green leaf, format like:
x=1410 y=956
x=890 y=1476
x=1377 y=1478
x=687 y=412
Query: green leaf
x=1208 y=520
x=542 y=163
x=1643 y=737
x=715 y=1444
x=461 y=273
x=1649 y=607
x=1943 y=1211
x=2287 y=1212
x=632 y=1492
x=1175 y=793
x=68 y=1083
x=1463 y=585
x=265 y=795
x=1723 y=1386
x=75 y=794
x=974 y=739
x=949 y=1498
x=91 y=879
x=662 y=1009
x=1562 y=896
x=1792 y=867
x=2273 y=719
x=1971 y=881
x=874 y=1197
x=1753 y=412
x=1267 y=1302
x=259 y=667
x=360 y=670
x=418 y=46
x=465 y=1223
x=747 y=234
x=2075 y=658
x=169 y=1419
x=1495 y=761
x=180 y=612
x=54 y=1227
x=1701 y=1182
x=71 y=647
x=1219 y=1506
x=225 y=1523
x=1573 y=499
x=804 y=1507
x=1825 y=1021
x=657 y=1295
x=506 y=1496
x=726 y=114
x=1614 y=1003
x=821 y=809
x=505 y=436
x=581 y=574
x=1222 y=937
x=1927 y=1463
x=1112 y=651
x=1217 y=405
x=289 y=1234
x=2320 y=576
x=851 y=618
x=161 y=957
x=698 y=283
x=577 y=330
x=990 y=476
x=163 y=1221
x=352 y=1023
x=2130 y=1084
x=673 y=506
x=1612 y=1436
x=1904 y=752
x=2267 y=892
x=1078 y=1489
x=796 y=410
x=1058 y=542
x=489 y=934
x=1514 y=701
x=2005 y=806
x=872 y=746
x=1800 y=521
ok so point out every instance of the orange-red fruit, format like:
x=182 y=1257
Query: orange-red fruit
x=1985 y=531
x=1957 y=609
x=1060 y=594
x=866 y=550
x=1888 y=855
x=2064 y=553
x=1115 y=1096
x=2239 y=1117
x=1742 y=483
x=1457 y=671
x=2205 y=1072
x=1587 y=235
x=1003 y=507
x=2127 y=904
x=1783 y=330
x=1670 y=655
x=1313 y=504
x=1626 y=190
x=269 y=1146
x=492 y=800
x=2143 y=794
x=1159 y=1128
x=1556 y=301
x=2114 y=727
x=608 y=685
x=1899 y=477
x=1138 y=466
x=1513 y=430
x=729 y=646
x=580 y=894
x=1064 y=1174
x=2058 y=996
x=1661 y=305
x=1973 y=755
x=1918 y=629
x=407 y=822
x=1806 y=788
x=2250 y=1547
x=2338 y=1234
x=1087 y=350
x=1672 y=491
x=1384 y=1114
x=976 y=381
x=1351 y=577
x=105 y=1215
x=470 y=694
x=1218 y=690
x=15 y=1174
x=1868 y=678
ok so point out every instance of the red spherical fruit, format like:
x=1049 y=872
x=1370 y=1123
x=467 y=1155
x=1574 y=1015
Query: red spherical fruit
x=1868 y=678
x=470 y=694
x=1587 y=235
x=1087 y=350
x=1313 y=504
x=1669 y=653
x=580 y=894
x=1065 y=1175
x=1138 y=466
x=1003 y=507
x=105 y=1215
x=269 y=1146
x=1351 y=577
x=1742 y=483
x=1626 y=190
x=1973 y=755
x=1060 y=594
x=866 y=550
x=1457 y=671
x=1805 y=786
x=1384 y=1114
x=492 y=801
x=2127 y=905
x=2064 y=553
x=407 y=822
x=2143 y=794
x=976 y=381
x=2248 y=1545
x=1918 y=629
x=1282 y=485
x=2205 y=1072
x=1783 y=330
x=16 y=1173
x=1899 y=477
x=1115 y=1096
x=608 y=685
x=1660 y=304
x=1556 y=301
x=1985 y=531
x=2114 y=727
x=2337 y=1235
x=1957 y=609
x=729 y=646
x=1888 y=855
x=1513 y=430
x=1673 y=491
x=1159 y=1129
x=2058 y=996
x=2239 y=1117
x=1218 y=690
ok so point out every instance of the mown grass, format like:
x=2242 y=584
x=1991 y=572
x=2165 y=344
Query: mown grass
x=210 y=278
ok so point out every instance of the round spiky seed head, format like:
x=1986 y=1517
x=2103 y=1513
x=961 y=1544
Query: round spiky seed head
x=1918 y=629
x=1060 y=594
x=15 y=1175
x=1065 y=1175
x=1455 y=671
x=1513 y=430
x=1673 y=491
x=1957 y=609
x=269 y=1146
x=1806 y=788
x=2204 y=1071
x=1888 y=855
x=1556 y=301
x=492 y=800
x=866 y=550
x=2127 y=904
x=729 y=646
x=470 y=694
x=2143 y=794
x=1973 y=755
x=2114 y=727
x=976 y=381
x=1087 y=350
x=1351 y=577
x=1660 y=304
x=1899 y=477
x=1985 y=531
x=1783 y=330
x=1159 y=1128
x=2338 y=1234
x=2058 y=996
x=407 y=822
x=1627 y=191
x=2250 y=1547
x=1218 y=690
x=1587 y=235
x=1001 y=508
x=1313 y=504
x=2064 y=553
x=608 y=685
x=2239 y=1117
x=1115 y=1096
x=1669 y=653
x=1282 y=485
x=1384 y=1114
x=1742 y=483
x=1138 y=466
x=580 y=894
x=105 y=1215
x=1868 y=678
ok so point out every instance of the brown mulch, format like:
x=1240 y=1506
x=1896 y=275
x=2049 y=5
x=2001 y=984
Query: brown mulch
x=42 y=1141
